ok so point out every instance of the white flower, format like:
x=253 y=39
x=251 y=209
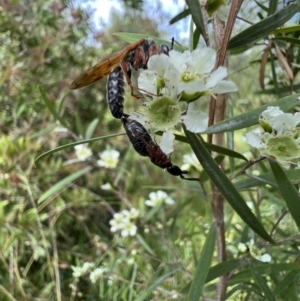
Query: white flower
x=133 y=213
x=117 y=222
x=189 y=161
x=97 y=274
x=76 y=271
x=122 y=222
x=87 y=266
x=110 y=281
x=278 y=137
x=158 y=198
x=160 y=77
x=254 y=251
x=130 y=261
x=108 y=158
x=195 y=121
x=128 y=228
x=80 y=271
x=166 y=142
x=82 y=151
x=106 y=186
x=197 y=75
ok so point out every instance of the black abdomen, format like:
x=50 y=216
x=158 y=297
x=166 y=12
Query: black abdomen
x=115 y=92
x=138 y=136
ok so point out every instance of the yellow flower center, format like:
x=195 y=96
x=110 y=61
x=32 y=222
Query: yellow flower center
x=187 y=76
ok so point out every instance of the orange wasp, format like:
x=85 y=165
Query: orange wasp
x=133 y=57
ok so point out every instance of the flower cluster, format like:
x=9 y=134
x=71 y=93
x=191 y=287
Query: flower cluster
x=278 y=137
x=87 y=268
x=81 y=271
x=253 y=251
x=158 y=198
x=97 y=274
x=173 y=83
x=122 y=221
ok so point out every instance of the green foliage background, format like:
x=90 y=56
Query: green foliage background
x=50 y=222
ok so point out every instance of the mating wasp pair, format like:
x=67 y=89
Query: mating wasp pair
x=119 y=66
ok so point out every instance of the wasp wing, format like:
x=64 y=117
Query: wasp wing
x=103 y=68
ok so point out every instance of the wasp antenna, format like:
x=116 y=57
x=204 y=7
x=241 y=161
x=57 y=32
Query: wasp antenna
x=189 y=179
x=172 y=43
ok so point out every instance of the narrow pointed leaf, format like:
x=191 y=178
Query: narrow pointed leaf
x=91 y=128
x=222 y=268
x=264 y=287
x=283 y=62
x=262 y=6
x=287 y=29
x=203 y=265
x=266 y=179
x=284 y=283
x=145 y=245
x=51 y=107
x=264 y=27
x=57 y=149
x=272 y=7
x=214 y=148
x=225 y=186
x=293 y=41
x=195 y=9
x=251 y=118
x=263 y=269
x=152 y=287
x=63 y=183
x=180 y=16
x=263 y=63
x=255 y=181
x=288 y=191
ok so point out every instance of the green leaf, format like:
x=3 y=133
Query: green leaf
x=180 y=16
x=262 y=6
x=255 y=181
x=196 y=38
x=262 y=284
x=133 y=37
x=293 y=41
x=222 y=269
x=91 y=128
x=288 y=190
x=145 y=245
x=285 y=282
x=214 y=148
x=57 y=149
x=287 y=29
x=51 y=107
x=225 y=186
x=263 y=269
x=264 y=27
x=268 y=179
x=272 y=7
x=251 y=118
x=44 y=131
x=195 y=10
x=62 y=184
x=152 y=287
x=203 y=265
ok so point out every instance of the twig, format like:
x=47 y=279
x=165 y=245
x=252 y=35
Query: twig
x=248 y=165
x=285 y=211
